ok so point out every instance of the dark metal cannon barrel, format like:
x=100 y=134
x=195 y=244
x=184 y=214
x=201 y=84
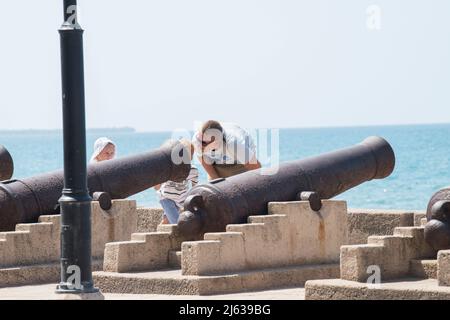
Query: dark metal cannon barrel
x=212 y=206
x=6 y=164
x=23 y=201
x=437 y=229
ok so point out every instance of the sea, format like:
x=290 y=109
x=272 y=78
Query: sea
x=422 y=157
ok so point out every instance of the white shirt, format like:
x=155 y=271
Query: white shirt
x=238 y=148
x=177 y=191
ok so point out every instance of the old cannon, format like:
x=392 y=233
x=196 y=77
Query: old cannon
x=6 y=164
x=23 y=201
x=437 y=229
x=212 y=206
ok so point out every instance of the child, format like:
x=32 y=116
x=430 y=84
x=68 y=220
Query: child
x=104 y=149
x=172 y=194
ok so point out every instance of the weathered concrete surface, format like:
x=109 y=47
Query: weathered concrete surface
x=297 y=236
x=46 y=292
x=175 y=259
x=145 y=251
x=148 y=219
x=405 y=289
x=81 y=296
x=36 y=274
x=31 y=253
x=392 y=254
x=174 y=283
x=292 y=234
x=116 y=224
x=443 y=272
x=363 y=223
x=418 y=217
x=39 y=243
x=423 y=269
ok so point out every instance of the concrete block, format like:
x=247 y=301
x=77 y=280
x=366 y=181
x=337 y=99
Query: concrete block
x=175 y=259
x=292 y=234
x=391 y=254
x=420 y=248
x=172 y=282
x=363 y=223
x=356 y=259
x=418 y=216
x=148 y=219
x=424 y=269
x=443 y=271
x=38 y=244
x=401 y=289
x=423 y=222
x=397 y=254
x=30 y=245
x=36 y=274
x=203 y=257
x=145 y=251
x=116 y=224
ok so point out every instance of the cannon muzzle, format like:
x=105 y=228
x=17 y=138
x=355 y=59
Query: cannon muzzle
x=211 y=207
x=23 y=201
x=437 y=229
x=6 y=164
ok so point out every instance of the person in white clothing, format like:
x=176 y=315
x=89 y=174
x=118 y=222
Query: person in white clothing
x=225 y=149
x=104 y=149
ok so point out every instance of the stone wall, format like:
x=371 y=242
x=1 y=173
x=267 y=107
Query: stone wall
x=363 y=223
x=31 y=253
x=292 y=234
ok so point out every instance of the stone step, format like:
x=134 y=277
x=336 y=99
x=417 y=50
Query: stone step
x=392 y=254
x=37 y=274
x=43 y=227
x=173 y=282
x=266 y=219
x=398 y=289
x=15 y=235
x=425 y=269
x=175 y=259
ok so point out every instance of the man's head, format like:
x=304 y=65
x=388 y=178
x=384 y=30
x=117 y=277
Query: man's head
x=212 y=136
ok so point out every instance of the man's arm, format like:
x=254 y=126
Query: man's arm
x=212 y=173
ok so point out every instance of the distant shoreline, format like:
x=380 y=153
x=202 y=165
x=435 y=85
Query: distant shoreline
x=93 y=130
x=133 y=130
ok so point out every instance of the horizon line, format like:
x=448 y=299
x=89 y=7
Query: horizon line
x=130 y=129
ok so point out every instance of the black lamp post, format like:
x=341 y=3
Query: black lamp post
x=76 y=267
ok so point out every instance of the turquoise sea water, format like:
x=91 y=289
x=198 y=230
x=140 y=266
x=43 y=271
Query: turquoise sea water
x=422 y=151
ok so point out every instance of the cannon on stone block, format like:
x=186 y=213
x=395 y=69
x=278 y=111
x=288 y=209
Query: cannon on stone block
x=23 y=201
x=6 y=164
x=437 y=229
x=211 y=207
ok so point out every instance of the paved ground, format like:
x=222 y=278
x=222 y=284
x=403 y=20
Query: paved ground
x=46 y=292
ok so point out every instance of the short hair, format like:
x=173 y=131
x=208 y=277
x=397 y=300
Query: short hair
x=212 y=124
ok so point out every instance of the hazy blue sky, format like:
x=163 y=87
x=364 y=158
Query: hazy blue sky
x=157 y=65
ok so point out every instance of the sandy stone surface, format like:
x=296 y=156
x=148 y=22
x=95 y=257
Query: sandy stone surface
x=46 y=292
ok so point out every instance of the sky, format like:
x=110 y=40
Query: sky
x=160 y=65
